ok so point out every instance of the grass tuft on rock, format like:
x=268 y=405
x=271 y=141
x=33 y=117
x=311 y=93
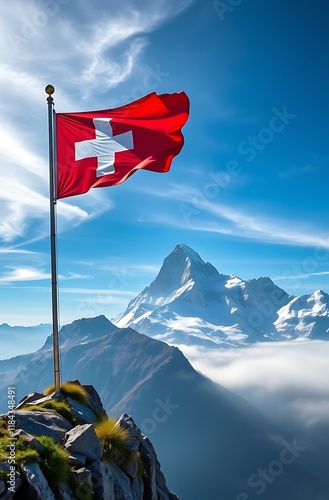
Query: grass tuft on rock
x=71 y=390
x=32 y=408
x=20 y=453
x=115 y=441
x=60 y=407
x=54 y=462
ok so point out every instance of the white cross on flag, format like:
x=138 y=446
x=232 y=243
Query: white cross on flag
x=103 y=148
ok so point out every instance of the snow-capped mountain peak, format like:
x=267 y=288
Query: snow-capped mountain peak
x=191 y=302
x=183 y=265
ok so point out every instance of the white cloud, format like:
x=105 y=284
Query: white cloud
x=301 y=276
x=123 y=29
x=29 y=273
x=104 y=74
x=23 y=274
x=11 y=251
x=98 y=44
x=75 y=276
x=287 y=380
x=194 y=211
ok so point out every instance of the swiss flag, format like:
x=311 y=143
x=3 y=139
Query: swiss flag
x=103 y=148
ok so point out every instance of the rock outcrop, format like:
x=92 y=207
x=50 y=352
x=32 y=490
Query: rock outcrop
x=91 y=472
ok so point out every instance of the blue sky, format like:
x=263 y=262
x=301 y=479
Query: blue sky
x=248 y=191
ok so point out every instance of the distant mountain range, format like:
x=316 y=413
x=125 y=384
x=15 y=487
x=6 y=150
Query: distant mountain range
x=190 y=302
x=210 y=442
x=26 y=338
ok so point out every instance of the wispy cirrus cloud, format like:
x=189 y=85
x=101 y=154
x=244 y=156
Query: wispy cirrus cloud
x=75 y=276
x=194 y=211
x=301 y=276
x=23 y=193
x=286 y=174
x=98 y=44
x=17 y=251
x=29 y=273
x=23 y=274
x=125 y=29
x=267 y=228
x=82 y=50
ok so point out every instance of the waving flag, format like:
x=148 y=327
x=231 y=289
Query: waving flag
x=104 y=148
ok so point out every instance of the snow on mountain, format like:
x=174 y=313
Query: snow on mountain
x=190 y=302
x=305 y=317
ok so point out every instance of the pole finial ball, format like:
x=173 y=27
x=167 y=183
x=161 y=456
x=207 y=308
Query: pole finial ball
x=50 y=89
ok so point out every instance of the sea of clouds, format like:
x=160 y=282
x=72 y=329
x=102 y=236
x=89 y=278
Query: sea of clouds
x=289 y=381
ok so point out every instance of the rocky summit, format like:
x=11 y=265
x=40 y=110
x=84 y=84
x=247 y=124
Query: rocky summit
x=58 y=447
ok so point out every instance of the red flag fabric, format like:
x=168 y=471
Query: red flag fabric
x=103 y=148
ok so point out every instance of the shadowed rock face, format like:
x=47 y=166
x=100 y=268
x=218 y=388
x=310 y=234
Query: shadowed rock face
x=194 y=424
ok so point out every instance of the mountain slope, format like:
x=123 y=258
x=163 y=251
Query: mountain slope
x=209 y=441
x=190 y=302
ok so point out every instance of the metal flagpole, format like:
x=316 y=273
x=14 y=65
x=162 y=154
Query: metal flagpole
x=50 y=90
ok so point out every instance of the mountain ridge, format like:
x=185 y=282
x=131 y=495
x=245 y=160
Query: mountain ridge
x=190 y=302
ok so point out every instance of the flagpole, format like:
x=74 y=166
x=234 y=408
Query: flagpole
x=50 y=90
